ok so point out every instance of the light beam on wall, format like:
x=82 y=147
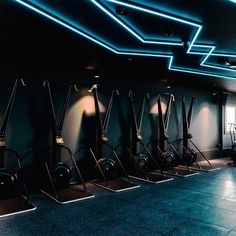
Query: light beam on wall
x=84 y=106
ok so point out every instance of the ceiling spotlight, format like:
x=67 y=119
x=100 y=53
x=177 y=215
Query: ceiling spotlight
x=214 y=93
x=168 y=86
x=223 y=61
x=89 y=67
x=121 y=11
x=96 y=76
x=171 y=33
x=227 y=61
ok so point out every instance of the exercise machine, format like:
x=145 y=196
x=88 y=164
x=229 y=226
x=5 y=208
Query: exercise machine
x=233 y=144
x=14 y=195
x=189 y=154
x=143 y=166
x=112 y=174
x=60 y=186
x=169 y=159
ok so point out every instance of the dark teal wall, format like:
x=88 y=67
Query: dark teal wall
x=29 y=125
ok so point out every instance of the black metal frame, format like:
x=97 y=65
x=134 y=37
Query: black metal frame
x=19 y=198
x=62 y=196
x=187 y=138
x=122 y=182
x=233 y=144
x=164 y=141
x=147 y=176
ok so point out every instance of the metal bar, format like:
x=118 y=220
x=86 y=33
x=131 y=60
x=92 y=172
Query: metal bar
x=99 y=167
x=17 y=156
x=8 y=109
x=135 y=160
x=161 y=123
x=162 y=154
x=116 y=156
x=51 y=180
x=189 y=118
x=62 y=117
x=75 y=164
x=107 y=114
x=141 y=113
x=168 y=111
x=153 y=159
x=201 y=153
x=194 y=160
x=173 y=148
x=133 y=111
x=231 y=132
x=185 y=125
x=234 y=127
x=54 y=121
x=97 y=109
x=122 y=167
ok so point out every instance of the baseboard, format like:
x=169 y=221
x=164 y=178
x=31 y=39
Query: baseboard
x=215 y=153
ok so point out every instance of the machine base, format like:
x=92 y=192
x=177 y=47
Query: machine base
x=15 y=205
x=152 y=177
x=68 y=195
x=116 y=185
x=181 y=172
x=205 y=168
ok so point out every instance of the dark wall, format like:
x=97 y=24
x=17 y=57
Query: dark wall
x=29 y=126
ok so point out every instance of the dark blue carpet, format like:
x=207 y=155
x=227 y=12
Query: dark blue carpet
x=200 y=205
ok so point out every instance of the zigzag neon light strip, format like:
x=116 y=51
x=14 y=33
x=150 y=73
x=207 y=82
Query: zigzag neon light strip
x=199 y=27
x=192 y=44
x=133 y=53
x=60 y=22
x=135 y=34
x=93 y=39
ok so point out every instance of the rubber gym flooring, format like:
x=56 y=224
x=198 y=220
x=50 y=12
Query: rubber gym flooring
x=200 y=205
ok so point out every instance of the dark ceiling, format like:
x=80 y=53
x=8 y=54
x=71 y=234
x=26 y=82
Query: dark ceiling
x=135 y=38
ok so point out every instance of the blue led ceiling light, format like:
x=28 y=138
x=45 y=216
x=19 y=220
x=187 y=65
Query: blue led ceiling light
x=191 y=44
x=93 y=39
x=160 y=14
x=115 y=50
x=66 y=25
x=132 y=31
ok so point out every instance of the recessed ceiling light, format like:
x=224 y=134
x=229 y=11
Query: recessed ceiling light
x=168 y=86
x=89 y=67
x=97 y=76
x=121 y=11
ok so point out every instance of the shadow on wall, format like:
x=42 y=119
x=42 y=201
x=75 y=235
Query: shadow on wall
x=83 y=107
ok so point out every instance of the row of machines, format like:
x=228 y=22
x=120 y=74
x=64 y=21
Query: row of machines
x=114 y=170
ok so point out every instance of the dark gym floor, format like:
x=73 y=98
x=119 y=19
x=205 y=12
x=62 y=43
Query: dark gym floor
x=200 y=205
